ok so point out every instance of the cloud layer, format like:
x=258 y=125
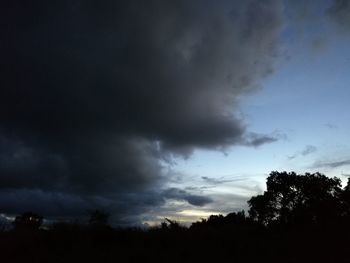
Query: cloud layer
x=95 y=94
x=339 y=11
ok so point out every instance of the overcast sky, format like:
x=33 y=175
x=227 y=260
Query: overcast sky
x=179 y=109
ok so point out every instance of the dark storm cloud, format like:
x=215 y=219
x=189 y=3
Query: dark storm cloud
x=53 y=203
x=94 y=94
x=124 y=207
x=93 y=165
x=339 y=11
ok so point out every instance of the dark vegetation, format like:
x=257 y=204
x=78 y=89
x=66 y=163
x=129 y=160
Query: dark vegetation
x=299 y=218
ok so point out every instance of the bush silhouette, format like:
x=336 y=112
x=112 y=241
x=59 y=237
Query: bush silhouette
x=98 y=218
x=28 y=220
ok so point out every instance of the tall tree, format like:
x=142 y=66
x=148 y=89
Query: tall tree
x=292 y=198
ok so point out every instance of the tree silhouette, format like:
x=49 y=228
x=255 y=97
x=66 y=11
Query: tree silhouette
x=98 y=218
x=262 y=208
x=171 y=224
x=292 y=198
x=346 y=199
x=231 y=220
x=28 y=220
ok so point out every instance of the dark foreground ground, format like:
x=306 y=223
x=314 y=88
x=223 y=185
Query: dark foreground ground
x=74 y=243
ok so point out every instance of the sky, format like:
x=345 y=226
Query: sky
x=177 y=109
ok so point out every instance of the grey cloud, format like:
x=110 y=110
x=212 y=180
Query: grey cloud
x=302 y=11
x=217 y=181
x=331 y=125
x=339 y=11
x=237 y=199
x=178 y=194
x=198 y=200
x=309 y=149
x=292 y=156
x=256 y=140
x=94 y=95
x=335 y=164
x=319 y=44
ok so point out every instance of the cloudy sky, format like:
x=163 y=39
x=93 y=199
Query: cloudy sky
x=179 y=109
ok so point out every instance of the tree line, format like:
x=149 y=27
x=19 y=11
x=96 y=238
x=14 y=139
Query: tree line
x=298 y=218
x=289 y=200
